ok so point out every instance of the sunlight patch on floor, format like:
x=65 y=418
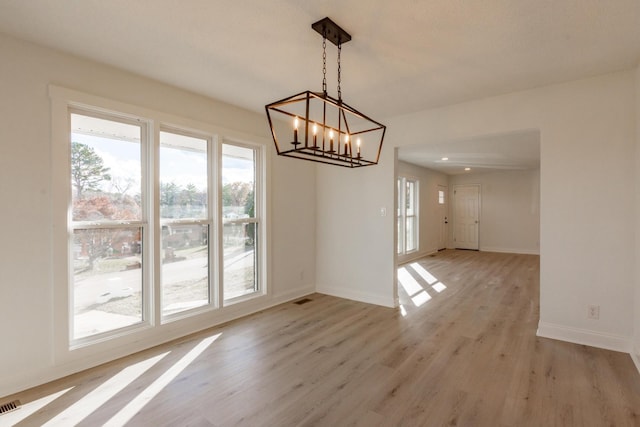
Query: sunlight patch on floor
x=439 y=287
x=28 y=409
x=420 y=298
x=428 y=277
x=139 y=402
x=84 y=407
x=417 y=287
x=410 y=285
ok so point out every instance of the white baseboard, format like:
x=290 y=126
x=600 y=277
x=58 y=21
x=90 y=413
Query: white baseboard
x=21 y=381
x=635 y=356
x=510 y=250
x=584 y=337
x=414 y=256
x=291 y=295
x=357 y=296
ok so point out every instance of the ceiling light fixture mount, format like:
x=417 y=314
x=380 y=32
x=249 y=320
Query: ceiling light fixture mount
x=324 y=127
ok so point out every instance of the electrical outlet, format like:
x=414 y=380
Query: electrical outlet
x=383 y=211
x=593 y=312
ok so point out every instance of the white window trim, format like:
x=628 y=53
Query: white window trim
x=260 y=188
x=403 y=215
x=212 y=218
x=145 y=223
x=155 y=329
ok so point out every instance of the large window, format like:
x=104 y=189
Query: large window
x=407 y=215
x=185 y=221
x=240 y=223
x=162 y=223
x=108 y=223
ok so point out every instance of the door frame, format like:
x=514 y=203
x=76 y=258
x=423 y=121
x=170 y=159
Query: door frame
x=444 y=222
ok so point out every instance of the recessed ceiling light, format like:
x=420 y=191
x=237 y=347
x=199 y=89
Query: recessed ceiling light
x=467 y=169
x=445 y=158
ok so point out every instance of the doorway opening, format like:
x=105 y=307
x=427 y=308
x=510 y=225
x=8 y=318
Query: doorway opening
x=480 y=193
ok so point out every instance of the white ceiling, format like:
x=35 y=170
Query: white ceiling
x=505 y=152
x=405 y=56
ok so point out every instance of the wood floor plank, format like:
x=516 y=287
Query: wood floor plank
x=461 y=350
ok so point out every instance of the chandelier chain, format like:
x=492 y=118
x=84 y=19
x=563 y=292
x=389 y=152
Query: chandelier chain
x=339 y=72
x=324 y=63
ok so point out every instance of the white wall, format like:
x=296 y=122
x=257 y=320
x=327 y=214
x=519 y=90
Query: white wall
x=587 y=130
x=429 y=222
x=350 y=229
x=510 y=210
x=26 y=288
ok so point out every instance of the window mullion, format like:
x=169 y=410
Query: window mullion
x=212 y=216
x=219 y=249
x=153 y=176
x=112 y=224
x=403 y=214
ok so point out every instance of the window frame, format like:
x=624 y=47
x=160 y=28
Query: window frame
x=210 y=220
x=155 y=327
x=402 y=216
x=259 y=213
x=144 y=223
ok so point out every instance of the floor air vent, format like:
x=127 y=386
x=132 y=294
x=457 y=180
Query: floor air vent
x=303 y=301
x=8 y=407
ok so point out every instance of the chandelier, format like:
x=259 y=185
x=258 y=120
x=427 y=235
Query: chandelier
x=318 y=127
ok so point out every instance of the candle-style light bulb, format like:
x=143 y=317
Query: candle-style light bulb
x=346 y=144
x=295 y=130
x=331 y=141
x=358 y=142
x=315 y=135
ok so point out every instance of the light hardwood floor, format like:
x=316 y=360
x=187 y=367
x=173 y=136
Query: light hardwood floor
x=467 y=356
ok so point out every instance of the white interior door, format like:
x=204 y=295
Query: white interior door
x=466 y=204
x=441 y=213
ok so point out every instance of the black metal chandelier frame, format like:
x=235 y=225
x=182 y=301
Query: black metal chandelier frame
x=328 y=137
